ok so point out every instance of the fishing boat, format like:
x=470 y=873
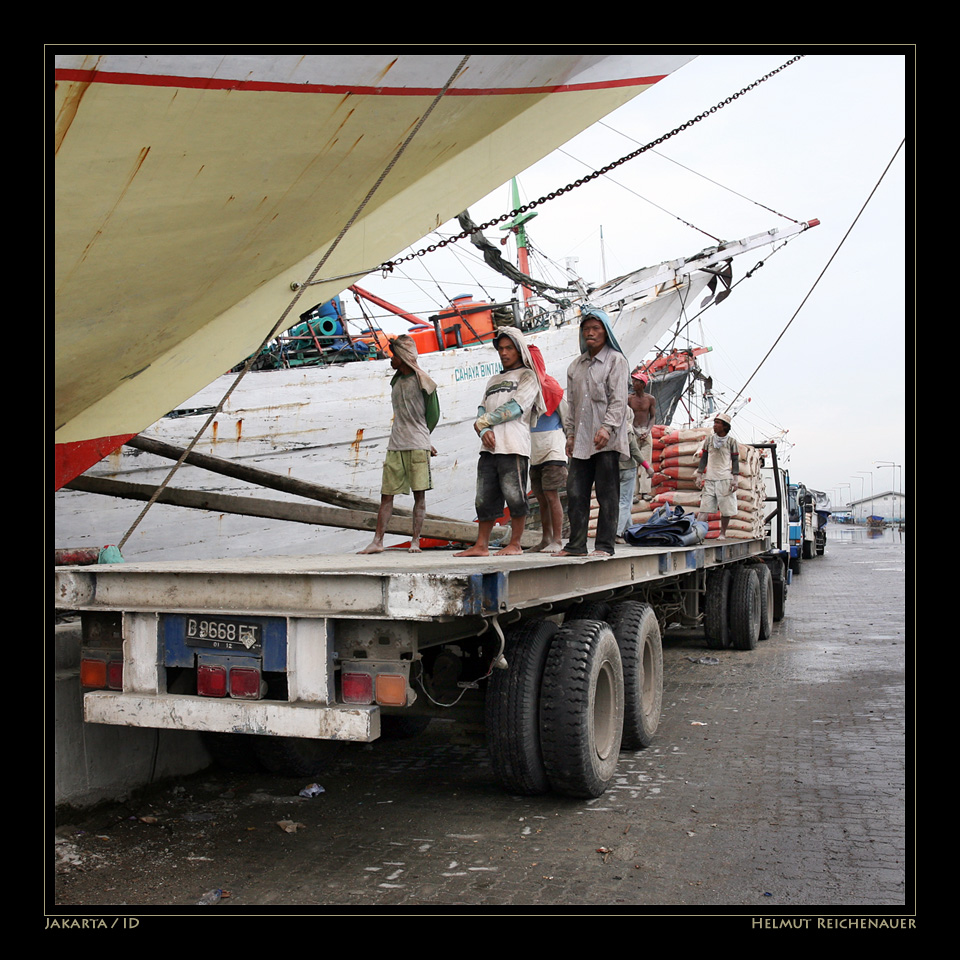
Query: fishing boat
x=195 y=192
x=329 y=422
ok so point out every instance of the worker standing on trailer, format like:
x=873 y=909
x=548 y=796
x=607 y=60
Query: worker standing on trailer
x=718 y=472
x=416 y=411
x=548 y=458
x=644 y=408
x=596 y=434
x=512 y=403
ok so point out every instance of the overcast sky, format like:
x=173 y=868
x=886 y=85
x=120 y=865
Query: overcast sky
x=812 y=142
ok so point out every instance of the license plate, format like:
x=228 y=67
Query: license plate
x=223 y=634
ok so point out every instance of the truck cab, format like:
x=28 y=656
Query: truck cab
x=807 y=525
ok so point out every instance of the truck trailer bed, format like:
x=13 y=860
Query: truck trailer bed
x=394 y=585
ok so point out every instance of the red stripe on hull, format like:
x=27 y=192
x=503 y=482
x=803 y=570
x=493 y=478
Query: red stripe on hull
x=72 y=459
x=212 y=83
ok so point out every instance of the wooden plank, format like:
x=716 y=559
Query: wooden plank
x=435 y=529
x=265 y=478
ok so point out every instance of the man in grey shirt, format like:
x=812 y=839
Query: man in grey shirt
x=596 y=434
x=416 y=411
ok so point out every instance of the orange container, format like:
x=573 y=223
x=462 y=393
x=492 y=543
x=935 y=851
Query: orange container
x=426 y=340
x=465 y=310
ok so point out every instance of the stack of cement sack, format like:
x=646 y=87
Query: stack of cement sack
x=676 y=455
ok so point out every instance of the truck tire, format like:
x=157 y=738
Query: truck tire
x=294 y=756
x=744 y=608
x=765 y=578
x=808 y=549
x=637 y=632
x=779 y=600
x=796 y=563
x=715 y=620
x=512 y=710
x=588 y=610
x=581 y=709
x=779 y=572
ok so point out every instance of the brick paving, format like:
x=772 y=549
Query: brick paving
x=777 y=781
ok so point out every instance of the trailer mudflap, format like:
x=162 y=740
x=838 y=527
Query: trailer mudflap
x=314 y=721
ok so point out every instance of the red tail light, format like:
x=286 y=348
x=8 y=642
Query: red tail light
x=211 y=680
x=245 y=683
x=356 y=688
x=115 y=675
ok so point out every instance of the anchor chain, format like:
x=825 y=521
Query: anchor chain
x=389 y=265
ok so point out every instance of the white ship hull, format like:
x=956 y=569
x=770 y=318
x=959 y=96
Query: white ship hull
x=192 y=190
x=330 y=425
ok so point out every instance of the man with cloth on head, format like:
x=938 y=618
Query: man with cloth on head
x=548 y=458
x=717 y=473
x=512 y=403
x=416 y=411
x=596 y=434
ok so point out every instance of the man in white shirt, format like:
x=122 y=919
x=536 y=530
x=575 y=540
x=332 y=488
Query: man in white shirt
x=717 y=473
x=512 y=403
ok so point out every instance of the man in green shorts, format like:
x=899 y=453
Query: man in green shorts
x=416 y=411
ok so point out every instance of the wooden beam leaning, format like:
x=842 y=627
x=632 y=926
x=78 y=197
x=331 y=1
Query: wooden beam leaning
x=435 y=529
x=264 y=478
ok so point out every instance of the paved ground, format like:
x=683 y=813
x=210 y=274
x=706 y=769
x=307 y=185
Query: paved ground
x=777 y=783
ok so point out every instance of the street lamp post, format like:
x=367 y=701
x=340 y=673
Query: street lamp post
x=870 y=475
x=849 y=496
x=861 y=492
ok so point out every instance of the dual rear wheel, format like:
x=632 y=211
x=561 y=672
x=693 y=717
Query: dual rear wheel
x=571 y=696
x=740 y=606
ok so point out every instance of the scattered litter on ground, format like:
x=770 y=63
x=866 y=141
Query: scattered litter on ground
x=290 y=826
x=213 y=896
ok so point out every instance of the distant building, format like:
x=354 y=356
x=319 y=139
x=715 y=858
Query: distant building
x=890 y=505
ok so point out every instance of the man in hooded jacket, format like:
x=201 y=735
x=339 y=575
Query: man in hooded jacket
x=512 y=402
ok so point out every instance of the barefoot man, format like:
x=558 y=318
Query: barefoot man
x=548 y=458
x=644 y=407
x=416 y=411
x=512 y=402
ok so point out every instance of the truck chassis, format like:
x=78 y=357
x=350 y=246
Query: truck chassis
x=561 y=658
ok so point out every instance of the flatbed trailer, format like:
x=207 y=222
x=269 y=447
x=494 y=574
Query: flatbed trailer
x=282 y=657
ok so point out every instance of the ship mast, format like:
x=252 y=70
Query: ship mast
x=518 y=227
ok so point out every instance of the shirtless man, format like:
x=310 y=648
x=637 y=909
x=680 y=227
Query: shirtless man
x=644 y=407
x=643 y=404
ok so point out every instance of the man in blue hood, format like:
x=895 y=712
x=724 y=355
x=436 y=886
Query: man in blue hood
x=596 y=434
